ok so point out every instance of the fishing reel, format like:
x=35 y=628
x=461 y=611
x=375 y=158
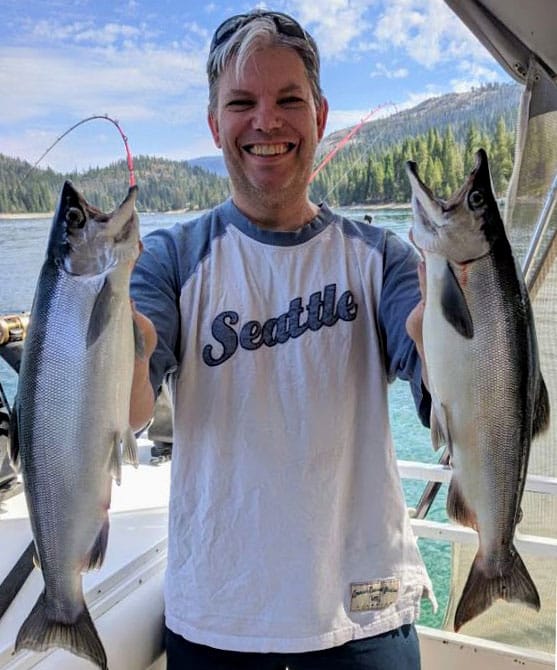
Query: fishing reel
x=13 y=327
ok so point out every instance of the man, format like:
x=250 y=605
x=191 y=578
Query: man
x=280 y=325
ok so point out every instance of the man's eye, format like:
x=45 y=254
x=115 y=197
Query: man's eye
x=291 y=101
x=239 y=103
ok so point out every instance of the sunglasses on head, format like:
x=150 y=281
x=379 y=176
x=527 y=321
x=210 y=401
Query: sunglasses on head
x=285 y=24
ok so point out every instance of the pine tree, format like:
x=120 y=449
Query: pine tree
x=451 y=159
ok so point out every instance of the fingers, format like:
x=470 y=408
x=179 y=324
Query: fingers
x=414 y=323
x=414 y=328
x=415 y=318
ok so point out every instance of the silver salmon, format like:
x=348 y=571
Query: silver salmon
x=71 y=416
x=488 y=396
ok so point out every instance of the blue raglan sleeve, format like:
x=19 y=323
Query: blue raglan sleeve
x=399 y=295
x=155 y=290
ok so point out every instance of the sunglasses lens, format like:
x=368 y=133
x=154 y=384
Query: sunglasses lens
x=287 y=25
x=284 y=23
x=227 y=29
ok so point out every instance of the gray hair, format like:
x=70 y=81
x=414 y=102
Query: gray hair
x=261 y=31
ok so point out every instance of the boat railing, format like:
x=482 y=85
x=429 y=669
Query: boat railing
x=442 y=648
x=436 y=530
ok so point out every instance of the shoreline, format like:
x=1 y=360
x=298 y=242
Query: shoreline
x=15 y=216
x=29 y=215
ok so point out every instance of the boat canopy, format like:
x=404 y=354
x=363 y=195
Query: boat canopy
x=513 y=31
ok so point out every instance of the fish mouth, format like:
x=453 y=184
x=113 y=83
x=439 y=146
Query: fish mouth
x=269 y=149
x=75 y=218
x=422 y=217
x=434 y=210
x=426 y=206
x=455 y=227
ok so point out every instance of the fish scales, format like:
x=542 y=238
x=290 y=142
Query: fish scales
x=488 y=396
x=72 y=410
x=493 y=348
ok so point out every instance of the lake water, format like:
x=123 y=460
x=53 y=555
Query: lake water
x=22 y=249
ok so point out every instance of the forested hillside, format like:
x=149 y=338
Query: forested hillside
x=360 y=177
x=481 y=106
x=441 y=135
x=164 y=185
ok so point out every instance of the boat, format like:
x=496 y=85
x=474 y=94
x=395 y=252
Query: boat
x=125 y=595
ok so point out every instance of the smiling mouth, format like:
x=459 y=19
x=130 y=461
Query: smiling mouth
x=269 y=149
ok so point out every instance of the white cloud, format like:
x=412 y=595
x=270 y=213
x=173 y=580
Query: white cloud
x=426 y=31
x=382 y=70
x=54 y=31
x=111 y=33
x=83 y=81
x=334 y=24
x=423 y=32
x=47 y=89
x=415 y=98
x=344 y=118
x=473 y=76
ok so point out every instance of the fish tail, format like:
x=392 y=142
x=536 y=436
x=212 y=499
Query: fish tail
x=481 y=590
x=39 y=633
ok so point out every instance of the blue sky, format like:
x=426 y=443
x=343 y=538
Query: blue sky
x=143 y=63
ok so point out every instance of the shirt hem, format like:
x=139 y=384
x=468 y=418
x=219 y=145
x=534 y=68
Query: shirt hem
x=261 y=644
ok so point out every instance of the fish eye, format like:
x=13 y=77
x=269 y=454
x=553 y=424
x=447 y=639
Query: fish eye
x=75 y=218
x=476 y=199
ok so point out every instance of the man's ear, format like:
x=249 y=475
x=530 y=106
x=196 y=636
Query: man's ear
x=214 y=127
x=322 y=113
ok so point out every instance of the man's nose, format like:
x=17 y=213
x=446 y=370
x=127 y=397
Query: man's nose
x=267 y=117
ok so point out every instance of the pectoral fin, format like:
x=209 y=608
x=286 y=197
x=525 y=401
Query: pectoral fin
x=129 y=448
x=116 y=460
x=454 y=306
x=541 y=409
x=457 y=508
x=440 y=435
x=98 y=551
x=100 y=314
x=13 y=443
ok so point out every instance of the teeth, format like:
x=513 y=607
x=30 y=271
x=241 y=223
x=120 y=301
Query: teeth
x=268 y=149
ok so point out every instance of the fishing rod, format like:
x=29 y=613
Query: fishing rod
x=344 y=140
x=103 y=117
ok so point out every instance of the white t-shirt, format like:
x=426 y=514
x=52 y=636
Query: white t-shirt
x=288 y=526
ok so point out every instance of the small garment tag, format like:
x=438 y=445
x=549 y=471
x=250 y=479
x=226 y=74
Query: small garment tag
x=374 y=595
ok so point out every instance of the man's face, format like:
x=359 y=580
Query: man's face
x=268 y=127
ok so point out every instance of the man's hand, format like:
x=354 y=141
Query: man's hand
x=414 y=322
x=142 y=399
